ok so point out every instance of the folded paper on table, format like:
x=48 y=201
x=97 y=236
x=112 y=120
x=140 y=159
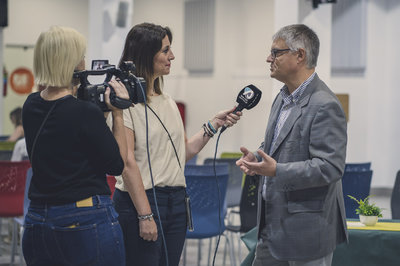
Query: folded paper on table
x=384 y=226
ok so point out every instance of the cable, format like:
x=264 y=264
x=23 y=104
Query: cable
x=219 y=200
x=151 y=176
x=169 y=136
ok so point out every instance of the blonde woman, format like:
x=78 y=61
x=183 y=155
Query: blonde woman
x=71 y=220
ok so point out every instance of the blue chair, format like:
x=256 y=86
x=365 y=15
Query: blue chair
x=4 y=137
x=356 y=184
x=18 y=222
x=395 y=198
x=351 y=167
x=235 y=180
x=192 y=161
x=207 y=197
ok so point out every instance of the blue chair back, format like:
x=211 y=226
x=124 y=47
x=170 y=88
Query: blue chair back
x=356 y=184
x=235 y=180
x=395 y=198
x=4 y=137
x=192 y=161
x=204 y=190
x=351 y=167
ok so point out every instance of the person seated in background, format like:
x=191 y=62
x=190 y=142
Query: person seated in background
x=19 y=152
x=16 y=119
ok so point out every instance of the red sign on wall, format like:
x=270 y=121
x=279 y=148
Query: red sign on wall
x=22 y=80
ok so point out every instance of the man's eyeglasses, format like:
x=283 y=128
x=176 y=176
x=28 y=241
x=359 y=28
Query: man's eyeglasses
x=276 y=52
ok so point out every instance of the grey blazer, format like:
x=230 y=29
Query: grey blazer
x=304 y=212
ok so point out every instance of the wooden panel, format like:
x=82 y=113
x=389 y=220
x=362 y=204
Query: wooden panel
x=344 y=100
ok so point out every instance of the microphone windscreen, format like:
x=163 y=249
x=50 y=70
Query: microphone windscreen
x=249 y=97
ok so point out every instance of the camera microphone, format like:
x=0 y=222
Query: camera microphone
x=247 y=98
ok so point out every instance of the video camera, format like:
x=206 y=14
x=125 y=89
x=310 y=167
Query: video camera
x=95 y=92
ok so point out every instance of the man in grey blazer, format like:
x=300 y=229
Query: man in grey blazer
x=301 y=216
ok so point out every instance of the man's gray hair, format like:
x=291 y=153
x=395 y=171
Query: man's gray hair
x=299 y=36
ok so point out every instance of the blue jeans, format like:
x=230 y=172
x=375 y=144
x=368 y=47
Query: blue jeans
x=171 y=204
x=71 y=235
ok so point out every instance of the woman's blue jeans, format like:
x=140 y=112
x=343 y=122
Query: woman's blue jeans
x=171 y=205
x=81 y=233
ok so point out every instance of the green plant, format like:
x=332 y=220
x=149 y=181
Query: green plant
x=365 y=208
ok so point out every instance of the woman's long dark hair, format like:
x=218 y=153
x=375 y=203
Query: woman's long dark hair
x=141 y=45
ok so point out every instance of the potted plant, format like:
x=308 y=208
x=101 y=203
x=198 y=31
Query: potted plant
x=368 y=213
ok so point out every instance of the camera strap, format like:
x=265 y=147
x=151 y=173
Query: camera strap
x=169 y=136
x=40 y=130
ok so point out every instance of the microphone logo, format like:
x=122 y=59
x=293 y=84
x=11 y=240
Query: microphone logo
x=247 y=98
x=248 y=93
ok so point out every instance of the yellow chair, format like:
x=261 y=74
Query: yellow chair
x=231 y=155
x=7 y=145
x=6 y=149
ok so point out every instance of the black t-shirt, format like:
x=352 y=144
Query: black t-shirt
x=74 y=151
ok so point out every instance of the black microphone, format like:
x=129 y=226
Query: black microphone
x=247 y=98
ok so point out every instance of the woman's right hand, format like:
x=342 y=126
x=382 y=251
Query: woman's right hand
x=148 y=230
x=120 y=91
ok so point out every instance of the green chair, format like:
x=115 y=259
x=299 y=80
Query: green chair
x=226 y=155
x=6 y=150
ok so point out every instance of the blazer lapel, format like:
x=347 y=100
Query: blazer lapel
x=294 y=114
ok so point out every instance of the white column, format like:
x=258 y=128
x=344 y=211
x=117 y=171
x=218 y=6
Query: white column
x=95 y=38
x=320 y=20
x=109 y=23
x=288 y=12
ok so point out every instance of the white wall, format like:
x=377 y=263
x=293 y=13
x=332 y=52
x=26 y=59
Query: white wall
x=373 y=128
x=242 y=40
x=26 y=20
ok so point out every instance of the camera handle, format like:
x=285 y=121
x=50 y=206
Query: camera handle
x=119 y=102
x=109 y=71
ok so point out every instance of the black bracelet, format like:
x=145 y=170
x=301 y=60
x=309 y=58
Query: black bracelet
x=210 y=133
x=207 y=131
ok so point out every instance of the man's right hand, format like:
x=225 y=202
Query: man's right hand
x=247 y=157
x=148 y=230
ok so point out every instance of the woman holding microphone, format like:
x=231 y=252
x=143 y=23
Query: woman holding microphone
x=148 y=46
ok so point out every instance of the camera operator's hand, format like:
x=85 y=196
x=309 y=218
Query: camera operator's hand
x=120 y=91
x=118 y=128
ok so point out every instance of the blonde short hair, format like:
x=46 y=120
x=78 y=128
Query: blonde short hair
x=57 y=53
